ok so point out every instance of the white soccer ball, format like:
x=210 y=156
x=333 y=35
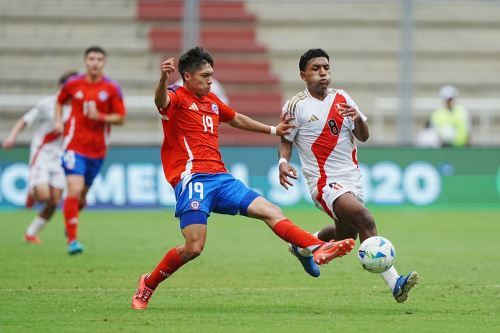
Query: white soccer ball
x=377 y=254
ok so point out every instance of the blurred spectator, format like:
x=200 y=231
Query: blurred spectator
x=428 y=137
x=452 y=122
x=216 y=88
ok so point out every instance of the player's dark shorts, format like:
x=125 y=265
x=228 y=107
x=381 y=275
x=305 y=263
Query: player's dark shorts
x=202 y=194
x=77 y=164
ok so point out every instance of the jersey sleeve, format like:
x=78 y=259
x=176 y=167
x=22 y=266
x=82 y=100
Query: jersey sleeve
x=117 y=105
x=226 y=113
x=31 y=116
x=172 y=105
x=64 y=94
x=291 y=113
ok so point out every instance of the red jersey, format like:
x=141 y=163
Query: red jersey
x=191 y=134
x=81 y=134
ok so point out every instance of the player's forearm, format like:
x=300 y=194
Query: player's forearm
x=285 y=149
x=248 y=124
x=113 y=118
x=58 y=113
x=18 y=127
x=161 y=97
x=361 y=131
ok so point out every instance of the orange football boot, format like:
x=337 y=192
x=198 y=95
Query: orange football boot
x=142 y=295
x=332 y=249
x=32 y=239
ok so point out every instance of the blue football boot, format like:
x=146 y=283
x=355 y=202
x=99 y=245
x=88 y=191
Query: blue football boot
x=404 y=285
x=75 y=247
x=307 y=262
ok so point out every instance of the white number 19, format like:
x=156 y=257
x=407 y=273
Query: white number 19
x=197 y=187
x=208 y=123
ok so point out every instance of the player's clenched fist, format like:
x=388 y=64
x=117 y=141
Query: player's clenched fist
x=167 y=68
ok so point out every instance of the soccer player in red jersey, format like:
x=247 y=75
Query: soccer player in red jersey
x=96 y=103
x=192 y=164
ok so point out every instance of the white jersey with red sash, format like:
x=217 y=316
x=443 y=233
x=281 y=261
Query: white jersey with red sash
x=326 y=145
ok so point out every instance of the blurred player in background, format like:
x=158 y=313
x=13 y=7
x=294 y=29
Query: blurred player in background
x=96 y=104
x=327 y=125
x=192 y=164
x=451 y=122
x=46 y=176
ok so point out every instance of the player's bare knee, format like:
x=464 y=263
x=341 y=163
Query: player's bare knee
x=274 y=212
x=53 y=202
x=194 y=250
x=42 y=198
x=364 y=220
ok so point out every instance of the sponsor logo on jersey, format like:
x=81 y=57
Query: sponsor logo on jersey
x=103 y=95
x=79 y=94
x=193 y=107
x=194 y=204
x=313 y=118
x=215 y=108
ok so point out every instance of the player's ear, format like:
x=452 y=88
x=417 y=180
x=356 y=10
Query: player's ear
x=303 y=75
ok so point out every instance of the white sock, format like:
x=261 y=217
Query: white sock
x=390 y=277
x=36 y=226
x=308 y=252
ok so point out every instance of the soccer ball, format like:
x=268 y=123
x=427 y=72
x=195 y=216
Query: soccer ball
x=376 y=254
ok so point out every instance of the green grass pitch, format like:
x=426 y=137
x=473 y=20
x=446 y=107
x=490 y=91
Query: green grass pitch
x=246 y=281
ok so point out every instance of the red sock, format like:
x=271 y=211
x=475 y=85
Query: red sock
x=167 y=266
x=290 y=233
x=71 y=217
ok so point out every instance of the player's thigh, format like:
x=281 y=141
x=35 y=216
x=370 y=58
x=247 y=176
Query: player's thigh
x=75 y=185
x=55 y=195
x=233 y=196
x=265 y=210
x=41 y=192
x=92 y=168
x=348 y=209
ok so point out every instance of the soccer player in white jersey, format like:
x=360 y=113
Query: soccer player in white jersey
x=328 y=123
x=46 y=177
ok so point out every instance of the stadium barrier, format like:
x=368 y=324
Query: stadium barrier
x=132 y=177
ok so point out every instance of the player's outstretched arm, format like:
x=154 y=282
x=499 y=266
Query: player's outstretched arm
x=18 y=127
x=248 y=124
x=285 y=168
x=161 y=97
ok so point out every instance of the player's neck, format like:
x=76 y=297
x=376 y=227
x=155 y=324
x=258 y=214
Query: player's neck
x=318 y=94
x=193 y=93
x=93 y=78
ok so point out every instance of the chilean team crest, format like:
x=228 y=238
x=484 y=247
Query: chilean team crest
x=215 y=108
x=103 y=95
x=194 y=205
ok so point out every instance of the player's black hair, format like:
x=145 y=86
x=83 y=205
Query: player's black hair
x=193 y=60
x=96 y=49
x=66 y=76
x=311 y=54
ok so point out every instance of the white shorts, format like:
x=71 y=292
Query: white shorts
x=334 y=190
x=46 y=173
